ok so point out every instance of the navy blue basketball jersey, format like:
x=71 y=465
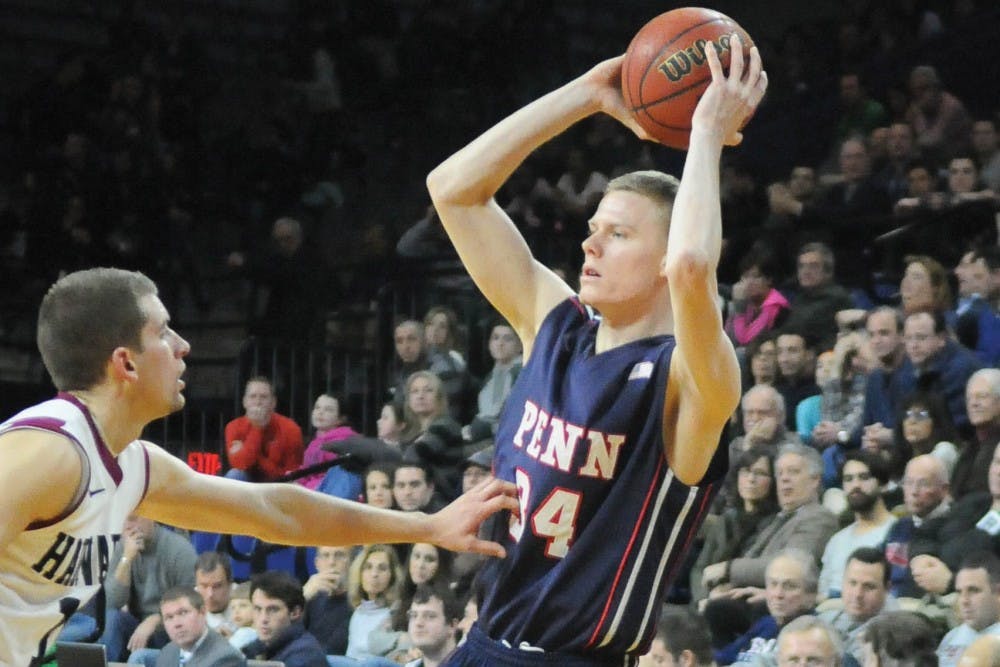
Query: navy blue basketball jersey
x=604 y=523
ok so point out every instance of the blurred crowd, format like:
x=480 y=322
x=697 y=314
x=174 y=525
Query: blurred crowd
x=860 y=284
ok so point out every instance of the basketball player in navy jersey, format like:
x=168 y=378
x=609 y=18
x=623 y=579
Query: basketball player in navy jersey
x=72 y=468
x=610 y=432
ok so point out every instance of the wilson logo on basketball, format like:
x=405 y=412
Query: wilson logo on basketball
x=680 y=64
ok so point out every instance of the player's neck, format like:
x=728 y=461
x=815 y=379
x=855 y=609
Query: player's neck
x=618 y=329
x=112 y=419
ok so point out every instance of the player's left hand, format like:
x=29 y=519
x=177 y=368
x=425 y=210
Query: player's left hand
x=456 y=526
x=729 y=101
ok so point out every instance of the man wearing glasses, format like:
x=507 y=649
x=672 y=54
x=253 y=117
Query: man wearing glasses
x=925 y=495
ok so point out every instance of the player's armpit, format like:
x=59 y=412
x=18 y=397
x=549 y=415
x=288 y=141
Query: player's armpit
x=33 y=492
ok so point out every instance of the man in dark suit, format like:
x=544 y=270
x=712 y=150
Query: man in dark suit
x=192 y=642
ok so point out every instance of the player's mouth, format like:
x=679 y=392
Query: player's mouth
x=588 y=272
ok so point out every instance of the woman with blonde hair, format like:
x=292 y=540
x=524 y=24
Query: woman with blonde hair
x=373 y=583
x=432 y=436
x=924 y=285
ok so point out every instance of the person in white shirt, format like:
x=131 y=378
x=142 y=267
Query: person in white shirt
x=978 y=586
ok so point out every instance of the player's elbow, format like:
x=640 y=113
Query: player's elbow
x=449 y=185
x=689 y=267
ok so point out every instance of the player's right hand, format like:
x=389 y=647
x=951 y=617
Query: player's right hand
x=456 y=526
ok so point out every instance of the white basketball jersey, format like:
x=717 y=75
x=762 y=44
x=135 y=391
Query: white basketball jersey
x=52 y=568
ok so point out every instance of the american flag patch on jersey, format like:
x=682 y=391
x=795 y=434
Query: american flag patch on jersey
x=642 y=370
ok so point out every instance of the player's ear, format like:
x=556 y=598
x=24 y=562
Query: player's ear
x=122 y=364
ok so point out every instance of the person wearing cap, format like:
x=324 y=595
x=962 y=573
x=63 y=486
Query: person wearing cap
x=478 y=466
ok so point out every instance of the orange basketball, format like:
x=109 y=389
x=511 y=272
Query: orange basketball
x=666 y=71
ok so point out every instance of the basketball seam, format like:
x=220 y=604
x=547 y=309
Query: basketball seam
x=642 y=80
x=644 y=108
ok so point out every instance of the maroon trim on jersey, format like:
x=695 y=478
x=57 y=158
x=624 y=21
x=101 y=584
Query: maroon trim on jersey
x=109 y=461
x=54 y=425
x=145 y=486
x=628 y=550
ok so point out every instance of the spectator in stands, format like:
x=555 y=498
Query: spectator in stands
x=391 y=423
x=379 y=485
x=432 y=436
x=826 y=421
x=845 y=213
x=809 y=641
x=789 y=592
x=147 y=561
x=413 y=488
x=986 y=149
x=862 y=479
x=796 y=375
x=784 y=229
x=331 y=427
x=924 y=285
x=977 y=584
x=442 y=334
x=921 y=189
x=976 y=320
x=426 y=565
x=213 y=579
x=801 y=522
x=373 y=589
x=327 y=610
x=888 y=383
x=278 y=604
x=576 y=192
x=412 y=357
x=749 y=508
x=924 y=426
x=757 y=307
x=242 y=614
x=763 y=410
x=505 y=350
x=192 y=642
x=288 y=271
x=865 y=591
x=899 y=638
x=477 y=468
x=925 y=495
x=817 y=298
x=939 y=119
x=262 y=445
x=763 y=356
x=938 y=363
x=982 y=403
x=681 y=641
x=859 y=113
x=900 y=153
x=433 y=620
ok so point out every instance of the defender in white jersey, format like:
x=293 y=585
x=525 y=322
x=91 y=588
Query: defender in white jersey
x=72 y=469
x=649 y=270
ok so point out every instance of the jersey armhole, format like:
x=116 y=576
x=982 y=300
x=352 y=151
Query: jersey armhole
x=84 y=483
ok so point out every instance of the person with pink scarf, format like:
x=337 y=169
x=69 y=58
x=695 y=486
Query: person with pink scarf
x=757 y=306
x=330 y=427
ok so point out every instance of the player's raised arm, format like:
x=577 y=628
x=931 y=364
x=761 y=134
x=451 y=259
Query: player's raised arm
x=704 y=386
x=462 y=189
x=290 y=514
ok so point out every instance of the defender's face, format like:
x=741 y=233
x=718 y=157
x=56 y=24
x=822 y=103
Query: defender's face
x=624 y=254
x=161 y=362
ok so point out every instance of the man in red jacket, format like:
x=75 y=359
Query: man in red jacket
x=262 y=445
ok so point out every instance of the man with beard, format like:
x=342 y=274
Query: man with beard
x=862 y=477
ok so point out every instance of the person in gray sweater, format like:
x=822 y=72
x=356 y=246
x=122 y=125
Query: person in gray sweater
x=146 y=562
